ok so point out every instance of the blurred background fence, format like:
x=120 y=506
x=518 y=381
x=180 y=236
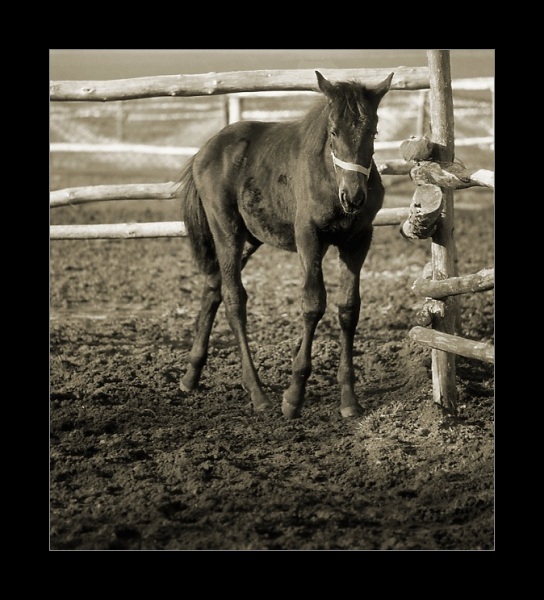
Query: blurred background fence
x=148 y=140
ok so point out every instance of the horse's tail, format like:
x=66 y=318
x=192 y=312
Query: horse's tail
x=196 y=222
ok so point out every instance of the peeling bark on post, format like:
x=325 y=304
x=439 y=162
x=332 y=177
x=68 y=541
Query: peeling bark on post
x=424 y=316
x=425 y=211
x=451 y=176
x=417 y=147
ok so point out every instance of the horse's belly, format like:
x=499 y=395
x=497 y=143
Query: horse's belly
x=277 y=234
x=267 y=218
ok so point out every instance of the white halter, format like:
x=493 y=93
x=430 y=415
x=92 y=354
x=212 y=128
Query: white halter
x=350 y=166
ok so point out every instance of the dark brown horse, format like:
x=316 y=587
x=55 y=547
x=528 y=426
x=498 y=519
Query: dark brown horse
x=302 y=186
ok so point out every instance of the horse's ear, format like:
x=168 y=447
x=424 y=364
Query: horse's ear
x=324 y=84
x=382 y=88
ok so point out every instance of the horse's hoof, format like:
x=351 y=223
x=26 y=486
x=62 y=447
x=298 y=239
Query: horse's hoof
x=263 y=406
x=185 y=387
x=353 y=410
x=289 y=411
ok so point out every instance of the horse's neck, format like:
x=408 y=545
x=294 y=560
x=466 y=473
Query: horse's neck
x=317 y=116
x=314 y=126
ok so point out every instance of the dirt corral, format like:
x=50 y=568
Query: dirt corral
x=135 y=464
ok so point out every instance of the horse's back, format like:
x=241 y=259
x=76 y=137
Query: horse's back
x=248 y=166
x=243 y=146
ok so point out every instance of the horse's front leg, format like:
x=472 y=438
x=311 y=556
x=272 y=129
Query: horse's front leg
x=314 y=302
x=351 y=262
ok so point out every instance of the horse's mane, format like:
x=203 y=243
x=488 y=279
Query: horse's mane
x=349 y=100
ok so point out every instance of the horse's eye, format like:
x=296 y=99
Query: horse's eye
x=333 y=133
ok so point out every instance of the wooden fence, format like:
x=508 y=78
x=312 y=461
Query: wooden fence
x=437 y=176
x=246 y=106
x=439 y=286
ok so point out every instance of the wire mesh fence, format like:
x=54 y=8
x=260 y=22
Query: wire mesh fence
x=149 y=140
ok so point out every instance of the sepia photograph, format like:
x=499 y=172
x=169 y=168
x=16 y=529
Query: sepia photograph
x=271 y=300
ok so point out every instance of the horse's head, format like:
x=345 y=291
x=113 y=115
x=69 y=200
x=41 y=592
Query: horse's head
x=352 y=127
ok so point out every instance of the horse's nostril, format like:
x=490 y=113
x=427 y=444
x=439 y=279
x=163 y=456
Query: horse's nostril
x=348 y=206
x=344 y=200
x=351 y=204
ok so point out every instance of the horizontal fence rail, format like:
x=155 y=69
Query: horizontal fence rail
x=190 y=150
x=207 y=84
x=386 y=216
x=473 y=84
x=102 y=193
x=442 y=288
x=453 y=344
x=123 y=148
x=164 y=191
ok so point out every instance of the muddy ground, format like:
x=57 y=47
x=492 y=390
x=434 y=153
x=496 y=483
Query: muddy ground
x=135 y=464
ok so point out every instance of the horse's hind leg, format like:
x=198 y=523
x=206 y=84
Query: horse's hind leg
x=210 y=301
x=209 y=304
x=231 y=257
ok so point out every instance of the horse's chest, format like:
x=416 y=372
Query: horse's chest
x=331 y=222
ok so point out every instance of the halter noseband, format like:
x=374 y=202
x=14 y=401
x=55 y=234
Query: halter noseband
x=350 y=166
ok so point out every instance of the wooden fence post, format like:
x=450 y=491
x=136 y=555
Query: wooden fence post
x=234 y=109
x=443 y=253
x=421 y=110
x=120 y=122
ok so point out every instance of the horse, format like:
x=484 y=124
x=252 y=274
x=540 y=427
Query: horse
x=301 y=186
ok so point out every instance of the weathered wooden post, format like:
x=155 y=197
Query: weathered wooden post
x=443 y=252
x=234 y=109
x=422 y=103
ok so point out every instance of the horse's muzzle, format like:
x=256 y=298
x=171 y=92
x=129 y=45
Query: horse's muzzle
x=351 y=204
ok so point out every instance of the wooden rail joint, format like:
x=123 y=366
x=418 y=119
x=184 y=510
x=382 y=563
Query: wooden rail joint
x=429 y=169
x=432 y=177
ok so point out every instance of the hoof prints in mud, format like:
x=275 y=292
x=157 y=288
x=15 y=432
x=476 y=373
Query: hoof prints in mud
x=136 y=464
